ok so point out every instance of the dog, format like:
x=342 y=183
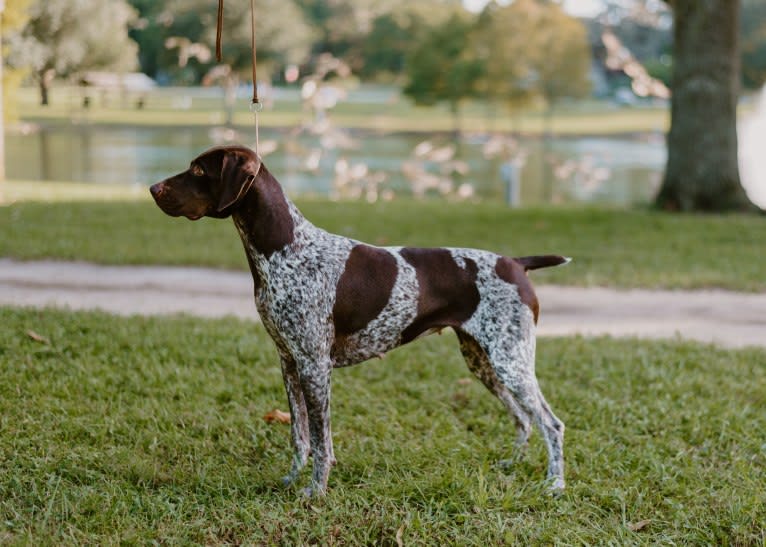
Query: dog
x=329 y=301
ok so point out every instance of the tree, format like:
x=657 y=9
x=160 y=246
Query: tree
x=393 y=34
x=753 y=32
x=14 y=17
x=194 y=21
x=531 y=49
x=150 y=35
x=344 y=27
x=443 y=68
x=504 y=43
x=64 y=37
x=702 y=171
x=283 y=35
x=563 y=56
x=385 y=48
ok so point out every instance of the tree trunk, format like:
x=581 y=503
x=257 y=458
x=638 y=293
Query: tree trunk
x=43 y=92
x=45 y=78
x=545 y=169
x=702 y=173
x=455 y=109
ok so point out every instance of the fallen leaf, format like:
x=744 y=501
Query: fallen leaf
x=640 y=525
x=38 y=337
x=399 y=536
x=464 y=381
x=277 y=416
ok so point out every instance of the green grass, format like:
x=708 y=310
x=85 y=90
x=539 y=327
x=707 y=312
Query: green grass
x=611 y=247
x=15 y=191
x=581 y=118
x=142 y=430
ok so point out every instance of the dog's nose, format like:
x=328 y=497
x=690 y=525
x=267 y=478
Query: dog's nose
x=156 y=189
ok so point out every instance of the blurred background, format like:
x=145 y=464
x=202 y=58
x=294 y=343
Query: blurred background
x=587 y=128
x=528 y=102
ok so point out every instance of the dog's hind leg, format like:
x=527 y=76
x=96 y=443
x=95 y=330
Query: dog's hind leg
x=479 y=364
x=513 y=360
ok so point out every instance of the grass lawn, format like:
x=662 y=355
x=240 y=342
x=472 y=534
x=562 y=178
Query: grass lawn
x=142 y=430
x=399 y=114
x=15 y=191
x=611 y=247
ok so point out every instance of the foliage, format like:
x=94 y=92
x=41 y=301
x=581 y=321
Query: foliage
x=564 y=55
x=637 y=17
x=753 y=43
x=611 y=247
x=194 y=22
x=280 y=42
x=442 y=67
x=511 y=54
x=14 y=18
x=385 y=48
x=150 y=35
x=343 y=24
x=66 y=37
x=151 y=430
x=345 y=28
x=15 y=14
x=661 y=69
x=503 y=39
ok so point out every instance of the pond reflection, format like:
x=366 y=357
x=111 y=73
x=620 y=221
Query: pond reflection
x=579 y=169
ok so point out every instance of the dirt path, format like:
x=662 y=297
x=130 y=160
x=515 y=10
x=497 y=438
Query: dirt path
x=727 y=318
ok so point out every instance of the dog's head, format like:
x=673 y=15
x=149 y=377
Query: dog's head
x=213 y=185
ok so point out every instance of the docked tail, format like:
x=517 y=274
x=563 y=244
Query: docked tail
x=542 y=261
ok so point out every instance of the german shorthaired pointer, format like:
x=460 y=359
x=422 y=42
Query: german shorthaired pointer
x=329 y=301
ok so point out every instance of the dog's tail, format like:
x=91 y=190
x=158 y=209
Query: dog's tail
x=541 y=261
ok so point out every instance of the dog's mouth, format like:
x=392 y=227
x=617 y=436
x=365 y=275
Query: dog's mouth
x=170 y=206
x=175 y=211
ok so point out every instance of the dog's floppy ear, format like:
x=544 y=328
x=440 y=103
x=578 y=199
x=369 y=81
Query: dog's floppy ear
x=238 y=174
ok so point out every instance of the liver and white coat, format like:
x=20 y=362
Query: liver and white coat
x=329 y=301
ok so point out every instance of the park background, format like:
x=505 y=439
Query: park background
x=628 y=134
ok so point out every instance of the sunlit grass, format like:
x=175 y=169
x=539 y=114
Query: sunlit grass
x=398 y=115
x=150 y=430
x=16 y=191
x=611 y=247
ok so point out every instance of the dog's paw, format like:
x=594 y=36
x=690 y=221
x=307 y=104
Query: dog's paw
x=313 y=492
x=556 y=486
x=509 y=463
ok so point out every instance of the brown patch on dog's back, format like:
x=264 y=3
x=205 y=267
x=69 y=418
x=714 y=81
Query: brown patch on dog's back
x=512 y=272
x=448 y=295
x=363 y=289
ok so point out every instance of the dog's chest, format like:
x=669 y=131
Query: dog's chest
x=297 y=288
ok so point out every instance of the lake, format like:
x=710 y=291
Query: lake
x=621 y=170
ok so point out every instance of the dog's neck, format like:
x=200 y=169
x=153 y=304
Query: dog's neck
x=267 y=221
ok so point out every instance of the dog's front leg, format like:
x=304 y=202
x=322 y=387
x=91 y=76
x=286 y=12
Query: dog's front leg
x=315 y=383
x=299 y=423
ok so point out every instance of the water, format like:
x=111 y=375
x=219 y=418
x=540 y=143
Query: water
x=585 y=169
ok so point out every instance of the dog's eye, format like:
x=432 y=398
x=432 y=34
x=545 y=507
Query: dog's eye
x=197 y=171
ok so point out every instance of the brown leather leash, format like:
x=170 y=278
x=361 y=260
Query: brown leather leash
x=255 y=105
